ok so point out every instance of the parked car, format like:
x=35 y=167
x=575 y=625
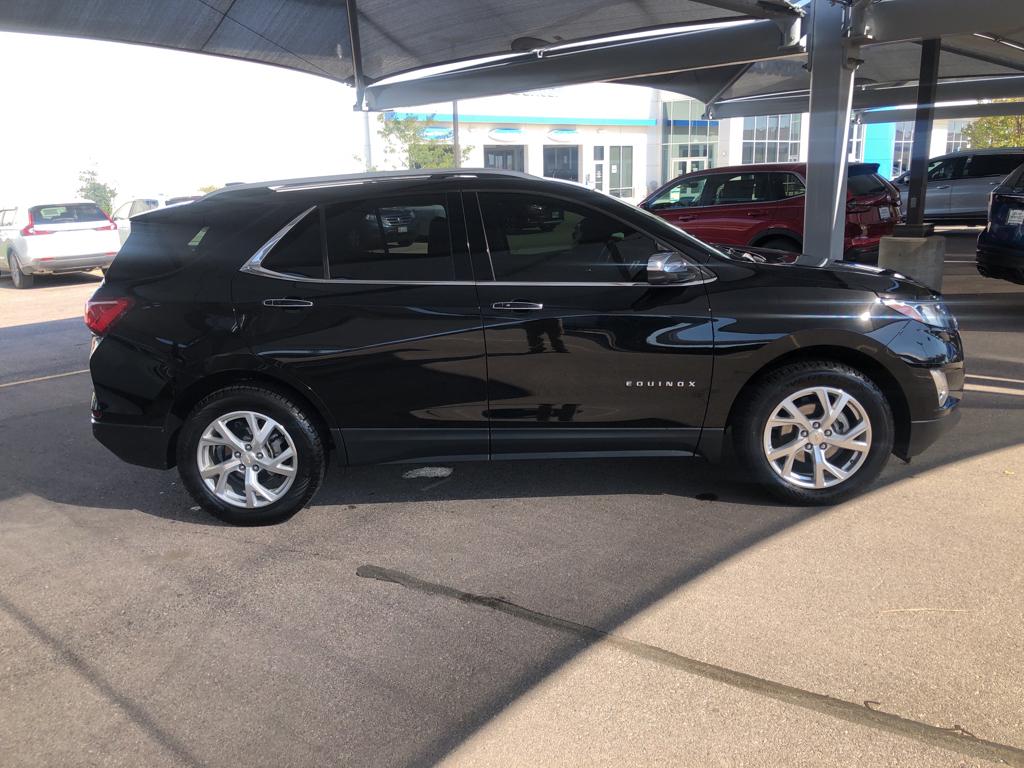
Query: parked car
x=763 y=205
x=248 y=335
x=54 y=238
x=124 y=212
x=1001 y=243
x=959 y=184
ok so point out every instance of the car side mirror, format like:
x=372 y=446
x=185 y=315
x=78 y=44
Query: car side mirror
x=668 y=267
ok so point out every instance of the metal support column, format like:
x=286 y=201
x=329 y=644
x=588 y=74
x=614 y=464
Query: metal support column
x=358 y=79
x=927 y=85
x=456 y=149
x=832 y=67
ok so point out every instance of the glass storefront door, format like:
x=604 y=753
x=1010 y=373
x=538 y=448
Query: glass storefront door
x=562 y=162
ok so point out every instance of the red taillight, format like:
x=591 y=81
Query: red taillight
x=101 y=314
x=108 y=226
x=30 y=229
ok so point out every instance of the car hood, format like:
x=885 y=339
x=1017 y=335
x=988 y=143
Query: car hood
x=884 y=282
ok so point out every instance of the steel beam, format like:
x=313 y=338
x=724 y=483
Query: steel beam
x=831 y=94
x=358 y=78
x=961 y=89
x=925 y=118
x=739 y=42
x=945 y=112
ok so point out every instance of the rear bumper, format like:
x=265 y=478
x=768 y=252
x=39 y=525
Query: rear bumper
x=145 y=446
x=56 y=264
x=1000 y=262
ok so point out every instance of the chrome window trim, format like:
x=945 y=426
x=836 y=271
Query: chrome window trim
x=254 y=266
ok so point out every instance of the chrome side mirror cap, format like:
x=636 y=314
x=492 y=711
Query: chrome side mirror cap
x=669 y=267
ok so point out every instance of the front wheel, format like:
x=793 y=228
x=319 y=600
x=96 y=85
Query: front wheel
x=250 y=456
x=815 y=433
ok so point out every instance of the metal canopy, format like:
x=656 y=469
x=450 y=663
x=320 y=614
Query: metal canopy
x=397 y=35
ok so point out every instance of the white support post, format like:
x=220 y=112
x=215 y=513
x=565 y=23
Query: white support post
x=828 y=132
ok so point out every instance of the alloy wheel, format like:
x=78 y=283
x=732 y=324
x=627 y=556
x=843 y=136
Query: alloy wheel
x=817 y=438
x=246 y=459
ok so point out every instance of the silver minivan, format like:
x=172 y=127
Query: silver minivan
x=959 y=184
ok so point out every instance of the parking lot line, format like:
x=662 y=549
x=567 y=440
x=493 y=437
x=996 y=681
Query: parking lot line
x=993 y=378
x=994 y=390
x=43 y=378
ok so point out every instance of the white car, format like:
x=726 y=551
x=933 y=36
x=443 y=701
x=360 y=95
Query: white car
x=52 y=238
x=125 y=211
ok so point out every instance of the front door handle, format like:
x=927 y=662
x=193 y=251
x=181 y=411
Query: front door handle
x=517 y=306
x=755 y=213
x=944 y=186
x=287 y=303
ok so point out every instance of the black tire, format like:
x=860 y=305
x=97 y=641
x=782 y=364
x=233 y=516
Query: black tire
x=20 y=279
x=761 y=401
x=311 y=459
x=781 y=244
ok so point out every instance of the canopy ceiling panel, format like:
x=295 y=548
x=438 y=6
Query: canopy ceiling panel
x=308 y=35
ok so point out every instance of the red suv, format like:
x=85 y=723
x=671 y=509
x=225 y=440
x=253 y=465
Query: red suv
x=763 y=205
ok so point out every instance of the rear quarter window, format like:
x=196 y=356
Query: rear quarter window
x=168 y=240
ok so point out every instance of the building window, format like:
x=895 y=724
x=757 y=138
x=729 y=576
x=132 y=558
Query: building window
x=901 y=148
x=855 y=149
x=621 y=171
x=956 y=139
x=562 y=162
x=688 y=142
x=771 y=139
x=507 y=158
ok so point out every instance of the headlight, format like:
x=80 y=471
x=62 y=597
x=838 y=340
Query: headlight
x=929 y=312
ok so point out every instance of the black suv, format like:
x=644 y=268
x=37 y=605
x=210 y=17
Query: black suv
x=248 y=335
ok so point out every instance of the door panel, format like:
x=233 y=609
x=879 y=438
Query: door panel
x=400 y=366
x=579 y=361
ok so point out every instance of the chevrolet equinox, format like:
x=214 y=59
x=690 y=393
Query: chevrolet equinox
x=466 y=315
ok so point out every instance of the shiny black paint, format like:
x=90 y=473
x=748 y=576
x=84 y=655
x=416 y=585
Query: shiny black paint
x=404 y=372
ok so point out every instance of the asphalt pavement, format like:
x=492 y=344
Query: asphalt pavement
x=615 y=612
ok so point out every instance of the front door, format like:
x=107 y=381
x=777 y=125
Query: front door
x=370 y=304
x=584 y=355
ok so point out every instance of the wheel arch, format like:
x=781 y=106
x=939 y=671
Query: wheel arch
x=777 y=232
x=187 y=399
x=857 y=359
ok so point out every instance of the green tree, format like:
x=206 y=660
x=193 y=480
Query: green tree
x=209 y=188
x=405 y=143
x=93 y=189
x=996 y=131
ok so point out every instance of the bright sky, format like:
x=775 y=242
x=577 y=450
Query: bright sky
x=153 y=121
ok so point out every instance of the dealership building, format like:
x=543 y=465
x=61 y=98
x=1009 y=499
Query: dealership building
x=625 y=140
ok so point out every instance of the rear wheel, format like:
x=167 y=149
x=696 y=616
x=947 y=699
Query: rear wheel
x=20 y=279
x=250 y=456
x=781 y=244
x=815 y=432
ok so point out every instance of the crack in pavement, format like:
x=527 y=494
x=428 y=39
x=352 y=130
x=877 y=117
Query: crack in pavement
x=956 y=738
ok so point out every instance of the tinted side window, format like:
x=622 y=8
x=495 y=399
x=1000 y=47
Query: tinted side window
x=391 y=240
x=942 y=170
x=991 y=165
x=682 y=195
x=300 y=252
x=787 y=185
x=726 y=189
x=538 y=239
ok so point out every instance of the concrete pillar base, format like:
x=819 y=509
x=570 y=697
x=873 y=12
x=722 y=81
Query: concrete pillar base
x=921 y=258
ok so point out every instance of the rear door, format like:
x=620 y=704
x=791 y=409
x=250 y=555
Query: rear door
x=735 y=208
x=370 y=304
x=583 y=354
x=979 y=175
x=676 y=203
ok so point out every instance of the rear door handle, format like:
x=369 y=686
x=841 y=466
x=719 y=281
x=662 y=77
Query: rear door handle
x=287 y=303
x=517 y=306
x=944 y=186
x=755 y=213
